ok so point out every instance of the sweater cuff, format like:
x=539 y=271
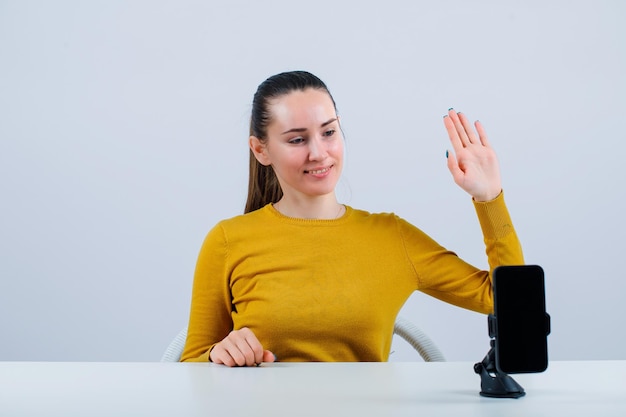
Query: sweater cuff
x=494 y=217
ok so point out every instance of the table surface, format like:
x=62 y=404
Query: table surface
x=587 y=388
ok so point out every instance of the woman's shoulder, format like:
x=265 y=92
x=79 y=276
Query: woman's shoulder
x=245 y=219
x=373 y=216
x=240 y=225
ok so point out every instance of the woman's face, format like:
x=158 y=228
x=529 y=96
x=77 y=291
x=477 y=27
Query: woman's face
x=304 y=143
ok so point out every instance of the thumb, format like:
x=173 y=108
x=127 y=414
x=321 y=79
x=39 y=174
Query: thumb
x=269 y=356
x=453 y=166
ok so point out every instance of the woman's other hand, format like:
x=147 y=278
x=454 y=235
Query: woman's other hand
x=240 y=348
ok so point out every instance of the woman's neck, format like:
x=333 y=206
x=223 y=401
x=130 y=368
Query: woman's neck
x=322 y=208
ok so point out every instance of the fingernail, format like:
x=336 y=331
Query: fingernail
x=275 y=357
x=451 y=108
x=446 y=154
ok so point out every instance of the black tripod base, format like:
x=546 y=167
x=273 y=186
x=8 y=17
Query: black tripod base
x=497 y=385
x=493 y=383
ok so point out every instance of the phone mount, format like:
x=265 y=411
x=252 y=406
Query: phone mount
x=494 y=383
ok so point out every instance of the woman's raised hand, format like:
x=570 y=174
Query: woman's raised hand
x=473 y=165
x=240 y=348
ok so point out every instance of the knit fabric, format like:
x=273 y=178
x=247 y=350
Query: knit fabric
x=330 y=290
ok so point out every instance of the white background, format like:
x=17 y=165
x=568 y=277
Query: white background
x=123 y=140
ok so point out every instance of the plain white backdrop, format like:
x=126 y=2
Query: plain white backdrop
x=123 y=140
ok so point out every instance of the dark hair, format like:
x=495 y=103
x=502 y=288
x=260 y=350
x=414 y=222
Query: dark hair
x=263 y=186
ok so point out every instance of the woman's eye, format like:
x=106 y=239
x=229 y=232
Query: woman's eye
x=296 y=141
x=329 y=132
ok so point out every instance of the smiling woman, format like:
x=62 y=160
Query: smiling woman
x=301 y=277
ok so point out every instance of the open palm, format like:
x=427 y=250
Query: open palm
x=473 y=165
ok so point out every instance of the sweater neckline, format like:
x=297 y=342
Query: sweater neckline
x=343 y=218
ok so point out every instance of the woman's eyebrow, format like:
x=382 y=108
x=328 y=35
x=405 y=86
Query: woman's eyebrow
x=303 y=129
x=329 y=122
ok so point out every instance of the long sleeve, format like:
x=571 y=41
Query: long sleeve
x=445 y=276
x=502 y=244
x=211 y=306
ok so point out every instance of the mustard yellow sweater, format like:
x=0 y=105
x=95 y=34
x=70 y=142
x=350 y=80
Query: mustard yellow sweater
x=330 y=290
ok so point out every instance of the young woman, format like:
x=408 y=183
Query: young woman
x=301 y=277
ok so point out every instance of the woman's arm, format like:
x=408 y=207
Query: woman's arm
x=210 y=316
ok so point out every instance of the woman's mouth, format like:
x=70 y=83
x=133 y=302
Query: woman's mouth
x=318 y=171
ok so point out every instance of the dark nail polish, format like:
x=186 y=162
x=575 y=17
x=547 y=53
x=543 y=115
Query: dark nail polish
x=446 y=154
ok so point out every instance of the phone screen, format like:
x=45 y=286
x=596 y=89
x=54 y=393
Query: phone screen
x=522 y=324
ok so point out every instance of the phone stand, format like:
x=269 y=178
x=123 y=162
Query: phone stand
x=519 y=300
x=494 y=383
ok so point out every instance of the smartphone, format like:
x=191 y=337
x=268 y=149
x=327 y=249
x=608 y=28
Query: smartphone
x=521 y=322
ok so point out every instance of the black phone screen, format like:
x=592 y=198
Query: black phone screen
x=521 y=325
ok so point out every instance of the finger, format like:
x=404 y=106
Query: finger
x=482 y=134
x=453 y=167
x=232 y=355
x=269 y=356
x=216 y=357
x=220 y=355
x=467 y=128
x=455 y=140
x=254 y=347
x=454 y=116
x=248 y=351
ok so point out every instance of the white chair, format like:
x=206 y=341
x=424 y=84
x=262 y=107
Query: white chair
x=175 y=349
x=403 y=328
x=418 y=339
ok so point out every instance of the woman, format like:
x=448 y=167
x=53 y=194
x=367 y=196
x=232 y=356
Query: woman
x=301 y=277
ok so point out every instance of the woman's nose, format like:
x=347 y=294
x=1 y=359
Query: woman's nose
x=317 y=149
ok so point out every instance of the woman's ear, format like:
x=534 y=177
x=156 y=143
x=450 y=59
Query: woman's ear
x=258 y=149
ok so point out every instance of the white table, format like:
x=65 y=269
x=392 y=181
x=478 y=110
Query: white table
x=594 y=388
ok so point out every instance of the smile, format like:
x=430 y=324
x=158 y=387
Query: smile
x=318 y=171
